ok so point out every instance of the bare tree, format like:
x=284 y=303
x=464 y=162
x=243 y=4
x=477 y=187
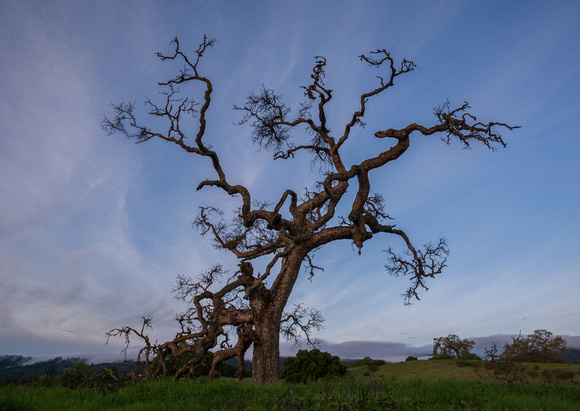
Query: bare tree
x=283 y=235
x=502 y=366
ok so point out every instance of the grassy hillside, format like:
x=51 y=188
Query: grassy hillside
x=413 y=385
x=434 y=370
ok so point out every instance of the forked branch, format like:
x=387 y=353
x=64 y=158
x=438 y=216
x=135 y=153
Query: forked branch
x=418 y=265
x=301 y=321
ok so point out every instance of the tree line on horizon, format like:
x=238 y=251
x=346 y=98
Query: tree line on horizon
x=540 y=346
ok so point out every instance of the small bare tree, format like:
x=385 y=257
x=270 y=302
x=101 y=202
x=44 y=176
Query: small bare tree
x=503 y=365
x=282 y=235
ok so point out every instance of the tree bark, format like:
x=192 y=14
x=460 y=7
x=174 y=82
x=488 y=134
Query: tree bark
x=268 y=316
x=266 y=356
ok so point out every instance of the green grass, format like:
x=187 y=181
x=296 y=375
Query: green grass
x=434 y=370
x=436 y=385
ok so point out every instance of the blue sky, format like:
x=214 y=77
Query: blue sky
x=94 y=229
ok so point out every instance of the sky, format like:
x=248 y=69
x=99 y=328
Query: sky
x=94 y=228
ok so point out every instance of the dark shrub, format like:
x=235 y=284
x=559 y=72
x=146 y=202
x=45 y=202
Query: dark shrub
x=368 y=362
x=532 y=373
x=79 y=375
x=564 y=375
x=311 y=365
x=548 y=375
x=228 y=370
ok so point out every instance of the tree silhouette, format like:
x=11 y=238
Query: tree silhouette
x=283 y=235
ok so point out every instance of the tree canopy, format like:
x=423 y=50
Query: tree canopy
x=452 y=345
x=312 y=365
x=540 y=346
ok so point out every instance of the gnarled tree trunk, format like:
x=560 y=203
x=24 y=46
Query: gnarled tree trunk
x=266 y=356
x=268 y=317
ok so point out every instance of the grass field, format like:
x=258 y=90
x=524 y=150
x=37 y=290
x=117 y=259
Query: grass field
x=434 y=370
x=414 y=385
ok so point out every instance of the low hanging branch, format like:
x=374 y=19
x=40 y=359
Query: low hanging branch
x=229 y=313
x=144 y=356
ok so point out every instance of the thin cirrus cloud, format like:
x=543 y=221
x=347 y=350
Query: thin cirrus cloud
x=46 y=147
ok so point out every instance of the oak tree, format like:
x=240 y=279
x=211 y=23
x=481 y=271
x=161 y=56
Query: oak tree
x=446 y=347
x=273 y=240
x=508 y=364
x=540 y=346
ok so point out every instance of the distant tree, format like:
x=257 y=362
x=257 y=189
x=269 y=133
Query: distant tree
x=411 y=358
x=503 y=365
x=312 y=365
x=280 y=236
x=508 y=364
x=541 y=346
x=370 y=363
x=452 y=345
